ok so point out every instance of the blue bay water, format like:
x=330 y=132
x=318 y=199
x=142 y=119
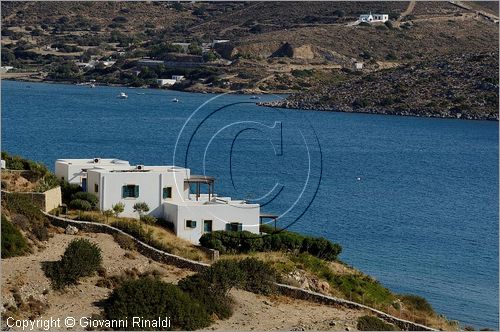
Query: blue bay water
x=413 y=201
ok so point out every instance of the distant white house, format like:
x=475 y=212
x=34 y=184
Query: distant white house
x=358 y=65
x=220 y=41
x=5 y=69
x=166 y=81
x=372 y=18
x=4 y=165
x=183 y=46
x=178 y=78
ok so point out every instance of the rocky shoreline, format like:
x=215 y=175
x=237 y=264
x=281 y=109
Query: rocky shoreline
x=308 y=106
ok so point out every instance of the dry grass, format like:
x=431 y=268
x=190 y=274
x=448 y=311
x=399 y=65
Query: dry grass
x=14 y=181
x=175 y=245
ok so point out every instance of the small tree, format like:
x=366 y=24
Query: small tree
x=108 y=213
x=118 y=208
x=141 y=208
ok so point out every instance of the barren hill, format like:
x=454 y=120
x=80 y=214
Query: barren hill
x=279 y=47
x=463 y=86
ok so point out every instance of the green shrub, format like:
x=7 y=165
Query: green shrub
x=90 y=217
x=37 y=224
x=131 y=227
x=151 y=298
x=85 y=196
x=258 y=276
x=80 y=204
x=148 y=219
x=211 y=297
x=13 y=242
x=417 y=302
x=68 y=190
x=80 y=259
x=211 y=287
x=48 y=181
x=371 y=323
x=244 y=242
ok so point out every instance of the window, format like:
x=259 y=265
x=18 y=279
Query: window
x=62 y=178
x=207 y=226
x=167 y=192
x=234 y=227
x=130 y=190
x=96 y=186
x=191 y=223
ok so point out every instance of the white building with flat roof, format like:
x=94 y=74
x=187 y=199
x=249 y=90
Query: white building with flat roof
x=371 y=18
x=166 y=81
x=172 y=193
x=75 y=170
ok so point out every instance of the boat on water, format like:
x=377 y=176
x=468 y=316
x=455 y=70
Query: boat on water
x=122 y=95
x=175 y=100
x=255 y=97
x=92 y=85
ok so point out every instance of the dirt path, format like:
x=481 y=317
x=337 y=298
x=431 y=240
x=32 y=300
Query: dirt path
x=408 y=10
x=254 y=312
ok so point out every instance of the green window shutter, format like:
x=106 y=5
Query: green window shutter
x=124 y=191
x=228 y=227
x=136 y=194
x=240 y=227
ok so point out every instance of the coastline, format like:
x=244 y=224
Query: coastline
x=194 y=89
x=298 y=105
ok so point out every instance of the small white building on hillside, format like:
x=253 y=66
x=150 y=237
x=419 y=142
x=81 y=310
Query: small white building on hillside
x=166 y=81
x=178 y=78
x=372 y=18
x=75 y=170
x=172 y=193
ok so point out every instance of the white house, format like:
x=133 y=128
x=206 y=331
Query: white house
x=178 y=78
x=75 y=170
x=166 y=81
x=168 y=192
x=371 y=18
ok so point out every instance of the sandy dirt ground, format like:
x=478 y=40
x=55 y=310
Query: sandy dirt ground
x=23 y=277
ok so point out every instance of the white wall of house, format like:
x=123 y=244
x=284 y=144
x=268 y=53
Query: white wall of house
x=219 y=213
x=108 y=186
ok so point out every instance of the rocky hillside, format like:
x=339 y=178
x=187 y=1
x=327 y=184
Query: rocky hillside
x=463 y=86
x=268 y=47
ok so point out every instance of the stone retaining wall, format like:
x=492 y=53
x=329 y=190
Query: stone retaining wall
x=45 y=201
x=184 y=263
x=143 y=248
